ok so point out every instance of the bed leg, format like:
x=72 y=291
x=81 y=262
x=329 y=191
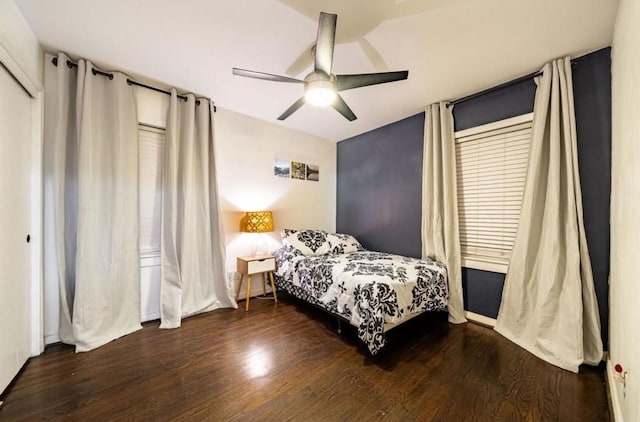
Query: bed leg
x=339 y=326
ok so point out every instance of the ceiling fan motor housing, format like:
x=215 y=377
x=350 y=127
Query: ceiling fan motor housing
x=320 y=89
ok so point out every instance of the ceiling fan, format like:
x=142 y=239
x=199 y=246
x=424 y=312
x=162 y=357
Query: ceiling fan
x=321 y=87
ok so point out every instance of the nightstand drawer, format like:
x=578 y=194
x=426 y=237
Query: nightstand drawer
x=267 y=264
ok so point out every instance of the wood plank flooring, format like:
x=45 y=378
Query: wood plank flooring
x=286 y=362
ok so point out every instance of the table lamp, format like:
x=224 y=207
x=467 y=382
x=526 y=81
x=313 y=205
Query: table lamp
x=257 y=222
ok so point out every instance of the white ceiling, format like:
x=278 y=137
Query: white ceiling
x=450 y=47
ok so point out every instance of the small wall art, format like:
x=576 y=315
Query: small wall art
x=313 y=172
x=296 y=170
x=282 y=168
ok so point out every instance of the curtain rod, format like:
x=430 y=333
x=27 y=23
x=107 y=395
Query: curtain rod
x=95 y=71
x=497 y=87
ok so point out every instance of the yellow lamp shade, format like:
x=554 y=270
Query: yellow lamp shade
x=257 y=222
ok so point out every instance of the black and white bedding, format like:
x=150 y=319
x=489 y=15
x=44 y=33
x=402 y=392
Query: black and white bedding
x=374 y=291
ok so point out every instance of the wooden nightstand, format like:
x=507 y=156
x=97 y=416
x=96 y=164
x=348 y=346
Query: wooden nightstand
x=258 y=264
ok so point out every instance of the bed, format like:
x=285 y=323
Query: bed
x=373 y=291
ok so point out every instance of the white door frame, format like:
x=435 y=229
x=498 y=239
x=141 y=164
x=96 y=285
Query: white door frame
x=10 y=60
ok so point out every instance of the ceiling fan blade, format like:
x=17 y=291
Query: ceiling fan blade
x=343 y=108
x=325 y=42
x=288 y=112
x=345 y=82
x=265 y=76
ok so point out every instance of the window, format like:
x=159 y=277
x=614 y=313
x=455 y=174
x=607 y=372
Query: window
x=491 y=163
x=151 y=151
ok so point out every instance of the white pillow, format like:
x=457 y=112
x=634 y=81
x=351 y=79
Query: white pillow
x=343 y=243
x=309 y=242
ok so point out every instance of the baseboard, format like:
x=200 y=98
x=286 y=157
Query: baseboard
x=256 y=290
x=150 y=316
x=480 y=319
x=254 y=294
x=51 y=338
x=613 y=396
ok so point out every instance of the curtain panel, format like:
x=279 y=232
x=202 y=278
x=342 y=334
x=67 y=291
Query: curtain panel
x=548 y=303
x=440 y=231
x=192 y=242
x=95 y=176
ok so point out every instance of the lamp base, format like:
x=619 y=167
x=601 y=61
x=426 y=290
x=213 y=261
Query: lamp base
x=260 y=247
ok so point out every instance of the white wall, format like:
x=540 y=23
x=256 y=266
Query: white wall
x=625 y=211
x=245 y=150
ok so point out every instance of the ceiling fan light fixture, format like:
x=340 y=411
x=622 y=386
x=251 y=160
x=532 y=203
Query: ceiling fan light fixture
x=321 y=86
x=320 y=93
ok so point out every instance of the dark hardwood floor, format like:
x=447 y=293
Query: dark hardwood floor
x=287 y=362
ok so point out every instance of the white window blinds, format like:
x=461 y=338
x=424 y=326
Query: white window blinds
x=491 y=163
x=151 y=151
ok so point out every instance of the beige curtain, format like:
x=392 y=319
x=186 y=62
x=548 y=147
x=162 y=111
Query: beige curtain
x=548 y=303
x=95 y=178
x=192 y=244
x=440 y=232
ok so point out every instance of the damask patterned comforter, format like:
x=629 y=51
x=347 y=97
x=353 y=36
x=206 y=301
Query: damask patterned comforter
x=370 y=289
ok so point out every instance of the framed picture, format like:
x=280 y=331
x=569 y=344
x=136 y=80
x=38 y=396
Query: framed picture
x=298 y=170
x=281 y=168
x=313 y=172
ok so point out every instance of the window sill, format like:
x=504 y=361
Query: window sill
x=477 y=264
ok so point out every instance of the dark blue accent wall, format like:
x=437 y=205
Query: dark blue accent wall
x=482 y=290
x=379 y=200
x=380 y=178
x=507 y=102
x=592 y=98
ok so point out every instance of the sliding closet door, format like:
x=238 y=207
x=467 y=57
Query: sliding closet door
x=15 y=214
